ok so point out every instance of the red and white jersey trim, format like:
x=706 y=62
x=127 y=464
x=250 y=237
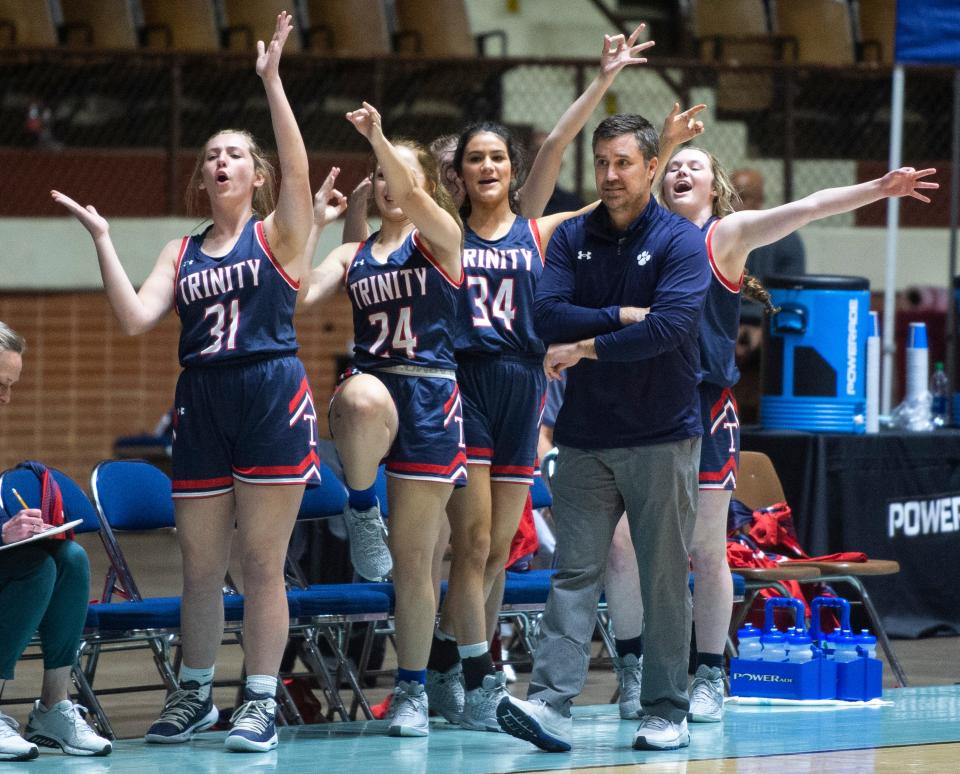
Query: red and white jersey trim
x=184 y=243
x=535 y=231
x=731 y=286
x=433 y=261
x=262 y=241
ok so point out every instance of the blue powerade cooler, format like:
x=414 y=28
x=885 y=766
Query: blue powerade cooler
x=814 y=354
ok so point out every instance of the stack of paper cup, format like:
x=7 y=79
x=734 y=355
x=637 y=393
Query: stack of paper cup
x=918 y=361
x=873 y=374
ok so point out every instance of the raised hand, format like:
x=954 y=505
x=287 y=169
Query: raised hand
x=268 y=57
x=618 y=52
x=92 y=220
x=679 y=128
x=328 y=203
x=360 y=195
x=905 y=182
x=365 y=119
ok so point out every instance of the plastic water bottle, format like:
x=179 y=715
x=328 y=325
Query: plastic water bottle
x=799 y=648
x=774 y=646
x=940 y=392
x=749 y=647
x=867 y=644
x=845 y=648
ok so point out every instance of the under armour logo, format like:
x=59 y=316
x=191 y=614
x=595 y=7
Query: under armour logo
x=361 y=262
x=643 y=258
x=181 y=411
x=189 y=263
x=583 y=256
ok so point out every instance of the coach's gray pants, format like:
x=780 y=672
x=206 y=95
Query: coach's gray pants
x=657 y=486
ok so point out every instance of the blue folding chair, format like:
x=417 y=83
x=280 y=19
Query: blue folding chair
x=134 y=496
x=329 y=610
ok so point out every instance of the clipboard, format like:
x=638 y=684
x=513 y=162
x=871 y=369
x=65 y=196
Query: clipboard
x=44 y=535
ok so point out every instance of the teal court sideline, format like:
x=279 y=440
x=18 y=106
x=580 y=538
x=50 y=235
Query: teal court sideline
x=918 y=717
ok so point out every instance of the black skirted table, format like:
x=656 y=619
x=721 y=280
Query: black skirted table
x=892 y=495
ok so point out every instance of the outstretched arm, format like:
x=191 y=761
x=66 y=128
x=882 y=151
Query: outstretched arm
x=740 y=232
x=437 y=226
x=328 y=205
x=288 y=226
x=324 y=281
x=618 y=52
x=678 y=128
x=136 y=311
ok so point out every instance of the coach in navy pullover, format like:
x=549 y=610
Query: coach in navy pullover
x=637 y=382
x=619 y=303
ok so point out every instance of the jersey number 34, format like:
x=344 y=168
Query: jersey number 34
x=501 y=307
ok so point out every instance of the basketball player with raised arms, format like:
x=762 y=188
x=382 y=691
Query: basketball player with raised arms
x=245 y=424
x=697 y=187
x=500 y=371
x=400 y=402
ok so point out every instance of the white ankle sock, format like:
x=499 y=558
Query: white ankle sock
x=262 y=684
x=202 y=676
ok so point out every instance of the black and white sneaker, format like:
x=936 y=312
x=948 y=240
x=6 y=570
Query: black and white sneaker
x=184 y=714
x=254 y=724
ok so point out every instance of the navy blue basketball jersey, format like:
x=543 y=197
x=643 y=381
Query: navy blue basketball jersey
x=496 y=302
x=404 y=309
x=237 y=306
x=720 y=323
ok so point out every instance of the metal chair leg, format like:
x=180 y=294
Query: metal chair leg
x=289 y=713
x=313 y=658
x=92 y=703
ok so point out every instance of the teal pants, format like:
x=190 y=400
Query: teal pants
x=43 y=588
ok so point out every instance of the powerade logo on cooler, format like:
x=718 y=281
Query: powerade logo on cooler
x=916 y=518
x=753 y=677
x=853 y=310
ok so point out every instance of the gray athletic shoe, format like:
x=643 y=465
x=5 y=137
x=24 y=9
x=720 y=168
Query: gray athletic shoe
x=480 y=704
x=368 y=543
x=629 y=670
x=63 y=726
x=445 y=692
x=536 y=722
x=656 y=733
x=706 y=695
x=409 y=711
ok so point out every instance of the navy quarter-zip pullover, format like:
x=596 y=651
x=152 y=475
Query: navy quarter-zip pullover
x=642 y=389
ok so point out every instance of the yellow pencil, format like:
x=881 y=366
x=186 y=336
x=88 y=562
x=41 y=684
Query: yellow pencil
x=17 y=495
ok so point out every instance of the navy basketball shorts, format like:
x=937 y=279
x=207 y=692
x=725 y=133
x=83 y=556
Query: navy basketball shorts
x=253 y=422
x=503 y=400
x=720 y=450
x=429 y=445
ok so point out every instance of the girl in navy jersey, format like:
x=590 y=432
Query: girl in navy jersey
x=697 y=187
x=500 y=371
x=245 y=418
x=401 y=401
